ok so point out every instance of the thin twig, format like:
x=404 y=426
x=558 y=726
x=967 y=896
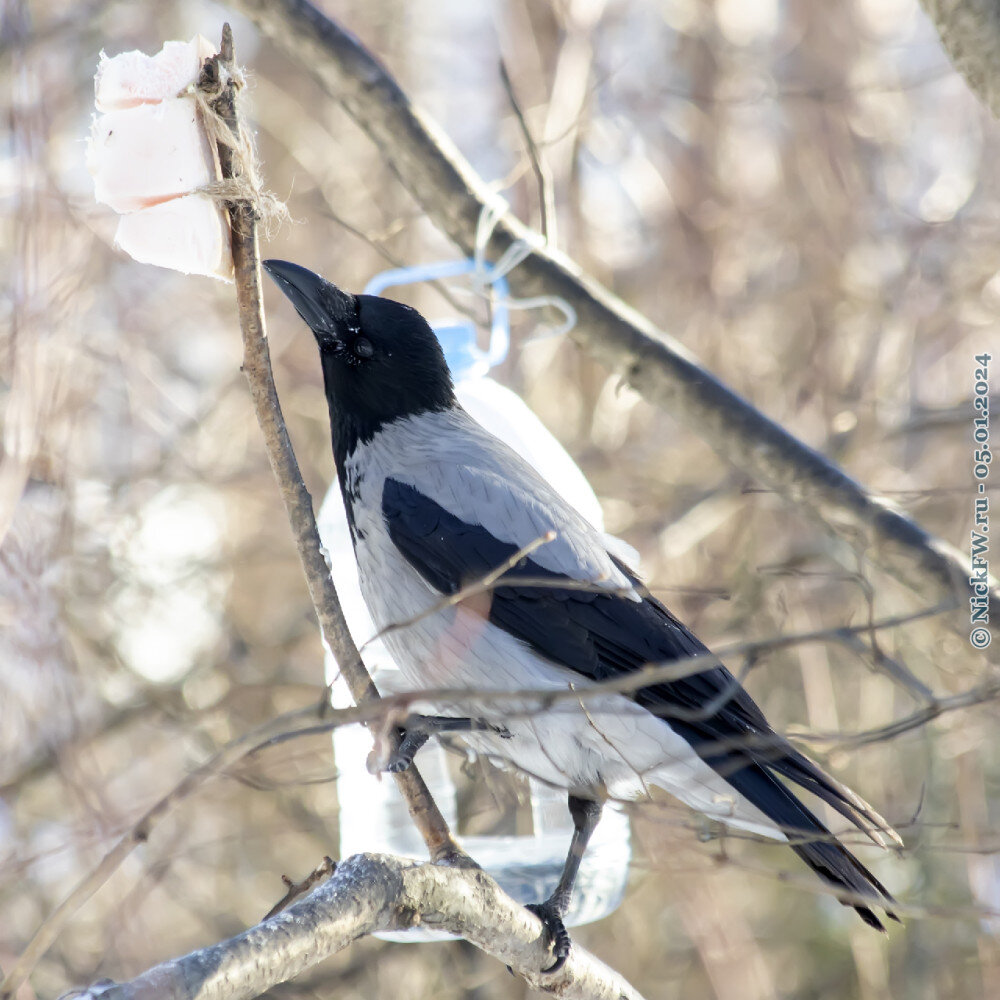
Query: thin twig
x=298 y=503
x=978 y=695
x=543 y=176
x=541 y=699
x=296 y=889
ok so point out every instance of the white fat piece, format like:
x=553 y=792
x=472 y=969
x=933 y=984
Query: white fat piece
x=148 y=154
x=133 y=78
x=185 y=234
x=602 y=745
x=152 y=160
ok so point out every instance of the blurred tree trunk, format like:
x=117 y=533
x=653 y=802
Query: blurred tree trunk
x=970 y=34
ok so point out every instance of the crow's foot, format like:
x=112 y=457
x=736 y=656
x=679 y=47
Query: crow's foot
x=559 y=938
x=402 y=757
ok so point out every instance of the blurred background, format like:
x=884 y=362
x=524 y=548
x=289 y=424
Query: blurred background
x=800 y=193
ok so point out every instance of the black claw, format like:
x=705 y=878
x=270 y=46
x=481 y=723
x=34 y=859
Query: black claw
x=559 y=939
x=402 y=757
x=397 y=764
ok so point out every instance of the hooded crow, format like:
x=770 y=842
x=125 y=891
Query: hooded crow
x=434 y=504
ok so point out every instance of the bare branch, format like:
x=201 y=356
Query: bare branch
x=453 y=195
x=543 y=176
x=369 y=893
x=298 y=503
x=978 y=695
x=539 y=699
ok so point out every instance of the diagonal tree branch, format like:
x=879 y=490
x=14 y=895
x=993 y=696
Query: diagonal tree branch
x=453 y=195
x=369 y=893
x=298 y=503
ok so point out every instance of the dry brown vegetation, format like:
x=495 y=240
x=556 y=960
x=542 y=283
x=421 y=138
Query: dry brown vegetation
x=801 y=194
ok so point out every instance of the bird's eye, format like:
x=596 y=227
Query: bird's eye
x=363 y=347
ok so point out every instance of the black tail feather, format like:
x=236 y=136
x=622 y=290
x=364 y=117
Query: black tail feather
x=798 y=768
x=811 y=840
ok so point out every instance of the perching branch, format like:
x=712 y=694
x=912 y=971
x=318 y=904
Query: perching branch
x=369 y=893
x=453 y=195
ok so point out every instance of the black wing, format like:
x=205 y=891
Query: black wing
x=603 y=635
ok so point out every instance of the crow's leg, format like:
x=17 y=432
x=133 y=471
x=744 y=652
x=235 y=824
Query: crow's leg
x=419 y=728
x=586 y=815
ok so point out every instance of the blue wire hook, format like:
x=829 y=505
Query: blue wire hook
x=465 y=357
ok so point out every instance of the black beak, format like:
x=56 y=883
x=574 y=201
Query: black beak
x=324 y=307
